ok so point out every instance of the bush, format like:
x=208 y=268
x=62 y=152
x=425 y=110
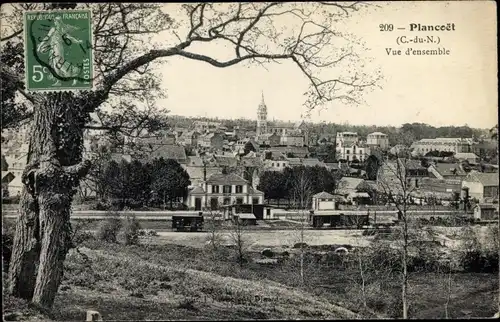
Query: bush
x=109 y=228
x=476 y=261
x=267 y=253
x=101 y=205
x=131 y=230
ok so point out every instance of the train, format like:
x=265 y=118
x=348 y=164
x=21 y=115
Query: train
x=359 y=219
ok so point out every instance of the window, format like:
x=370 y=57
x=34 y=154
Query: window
x=239 y=201
x=215 y=189
x=347 y=157
x=226 y=189
x=239 y=189
x=255 y=201
x=227 y=201
x=272 y=164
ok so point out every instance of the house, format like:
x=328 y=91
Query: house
x=456 y=145
x=411 y=170
x=467 y=156
x=223 y=189
x=174 y=152
x=291 y=151
x=346 y=138
x=212 y=140
x=446 y=171
x=294 y=162
x=245 y=145
x=482 y=186
x=292 y=139
x=188 y=138
x=486 y=211
x=269 y=139
x=161 y=139
x=377 y=140
x=199 y=169
x=276 y=163
x=312 y=162
x=352 y=151
x=204 y=126
x=323 y=201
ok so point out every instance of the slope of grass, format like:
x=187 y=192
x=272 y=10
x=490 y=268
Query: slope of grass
x=121 y=286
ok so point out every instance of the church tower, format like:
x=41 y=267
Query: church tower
x=262 y=117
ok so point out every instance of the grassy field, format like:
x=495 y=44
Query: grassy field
x=177 y=275
x=180 y=282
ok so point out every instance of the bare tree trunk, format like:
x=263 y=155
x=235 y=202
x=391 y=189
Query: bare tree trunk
x=449 y=293
x=363 y=287
x=405 y=264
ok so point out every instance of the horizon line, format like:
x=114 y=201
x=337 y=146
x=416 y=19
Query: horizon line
x=332 y=123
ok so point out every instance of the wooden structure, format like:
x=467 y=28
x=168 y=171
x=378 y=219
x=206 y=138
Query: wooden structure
x=188 y=222
x=486 y=211
x=260 y=211
x=318 y=219
x=245 y=219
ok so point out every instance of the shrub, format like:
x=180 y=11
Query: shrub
x=101 y=205
x=476 y=261
x=109 y=228
x=267 y=253
x=131 y=230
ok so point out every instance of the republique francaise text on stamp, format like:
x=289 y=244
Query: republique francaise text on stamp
x=58 y=50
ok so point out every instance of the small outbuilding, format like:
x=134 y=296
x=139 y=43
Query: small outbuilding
x=245 y=219
x=486 y=211
x=323 y=201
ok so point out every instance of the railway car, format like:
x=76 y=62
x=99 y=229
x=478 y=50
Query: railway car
x=332 y=219
x=188 y=222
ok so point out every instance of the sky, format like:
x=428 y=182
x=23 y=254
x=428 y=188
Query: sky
x=457 y=89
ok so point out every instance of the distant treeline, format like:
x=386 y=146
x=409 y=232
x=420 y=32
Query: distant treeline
x=414 y=131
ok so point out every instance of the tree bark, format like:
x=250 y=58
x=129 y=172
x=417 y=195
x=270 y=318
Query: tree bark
x=25 y=250
x=50 y=179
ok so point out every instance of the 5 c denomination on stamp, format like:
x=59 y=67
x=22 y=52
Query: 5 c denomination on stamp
x=58 y=50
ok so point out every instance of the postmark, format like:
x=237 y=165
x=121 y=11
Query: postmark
x=58 y=50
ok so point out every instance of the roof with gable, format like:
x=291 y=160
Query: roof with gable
x=197 y=190
x=226 y=179
x=348 y=184
x=487 y=206
x=251 y=161
x=225 y=161
x=294 y=161
x=312 y=162
x=195 y=161
x=323 y=195
x=377 y=133
x=448 y=169
x=175 y=152
x=486 y=179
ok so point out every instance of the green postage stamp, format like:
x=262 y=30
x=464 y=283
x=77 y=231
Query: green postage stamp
x=58 y=50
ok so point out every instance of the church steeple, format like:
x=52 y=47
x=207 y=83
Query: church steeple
x=262 y=117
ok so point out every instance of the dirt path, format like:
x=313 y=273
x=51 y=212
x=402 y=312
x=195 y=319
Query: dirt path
x=261 y=239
